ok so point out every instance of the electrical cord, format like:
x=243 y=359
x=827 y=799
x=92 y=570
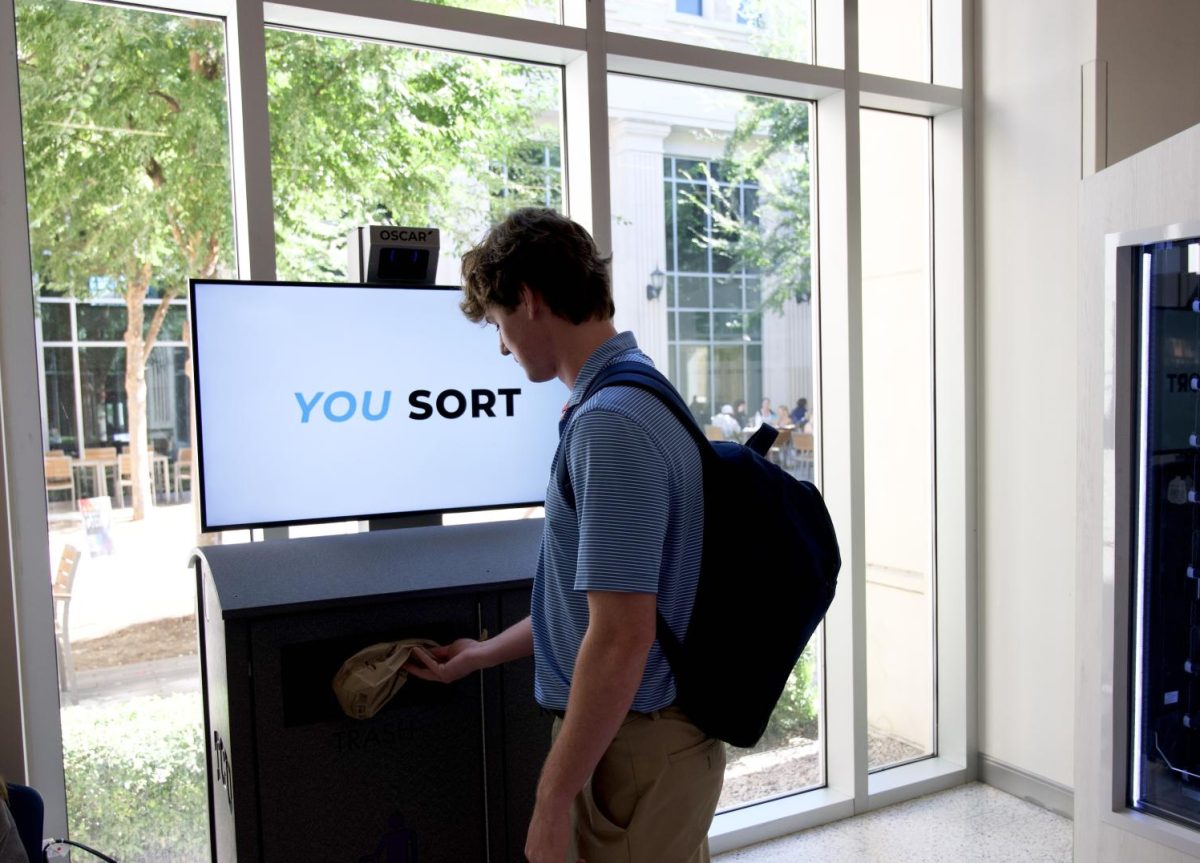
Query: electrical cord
x=57 y=846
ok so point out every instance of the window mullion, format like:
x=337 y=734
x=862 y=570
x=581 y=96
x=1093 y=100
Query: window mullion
x=250 y=141
x=954 y=454
x=840 y=430
x=950 y=40
x=76 y=368
x=587 y=196
x=28 y=675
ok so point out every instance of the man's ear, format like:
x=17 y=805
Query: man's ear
x=532 y=300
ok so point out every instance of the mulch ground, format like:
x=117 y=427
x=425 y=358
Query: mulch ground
x=141 y=642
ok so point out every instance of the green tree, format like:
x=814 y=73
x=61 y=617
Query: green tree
x=125 y=134
x=769 y=146
x=363 y=132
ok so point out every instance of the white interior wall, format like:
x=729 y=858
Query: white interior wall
x=1028 y=59
x=1035 y=66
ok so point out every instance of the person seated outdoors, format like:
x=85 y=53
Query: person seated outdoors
x=726 y=422
x=783 y=420
x=739 y=414
x=764 y=414
x=800 y=413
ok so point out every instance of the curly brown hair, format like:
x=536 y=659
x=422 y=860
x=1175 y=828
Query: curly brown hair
x=545 y=251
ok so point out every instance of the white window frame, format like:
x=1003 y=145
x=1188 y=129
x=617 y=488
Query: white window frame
x=30 y=738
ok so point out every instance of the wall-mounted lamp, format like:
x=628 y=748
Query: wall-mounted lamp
x=657 y=280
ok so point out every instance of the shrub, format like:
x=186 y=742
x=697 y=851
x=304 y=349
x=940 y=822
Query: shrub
x=135 y=775
x=796 y=713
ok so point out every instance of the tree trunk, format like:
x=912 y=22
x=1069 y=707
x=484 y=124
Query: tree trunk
x=135 y=390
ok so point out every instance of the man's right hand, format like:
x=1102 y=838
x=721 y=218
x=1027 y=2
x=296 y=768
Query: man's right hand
x=447 y=663
x=454 y=661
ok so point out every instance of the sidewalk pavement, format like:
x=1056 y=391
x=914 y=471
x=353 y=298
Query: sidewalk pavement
x=145 y=578
x=156 y=677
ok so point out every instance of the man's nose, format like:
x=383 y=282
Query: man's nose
x=504 y=351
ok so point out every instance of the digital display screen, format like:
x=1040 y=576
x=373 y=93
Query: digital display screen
x=333 y=402
x=399 y=264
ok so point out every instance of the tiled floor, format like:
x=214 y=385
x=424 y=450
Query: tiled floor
x=972 y=823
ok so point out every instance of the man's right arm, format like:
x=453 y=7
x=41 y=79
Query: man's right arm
x=466 y=655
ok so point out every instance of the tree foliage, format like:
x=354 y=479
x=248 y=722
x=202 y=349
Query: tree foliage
x=363 y=132
x=769 y=146
x=124 y=122
x=126 y=137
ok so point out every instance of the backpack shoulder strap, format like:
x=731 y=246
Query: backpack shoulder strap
x=646 y=377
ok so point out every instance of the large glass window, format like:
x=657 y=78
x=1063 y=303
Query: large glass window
x=895 y=39
x=59 y=376
x=712 y=297
x=368 y=133
x=710 y=202
x=89 y=336
x=126 y=140
x=724 y=220
x=541 y=10
x=898 y=435
x=768 y=28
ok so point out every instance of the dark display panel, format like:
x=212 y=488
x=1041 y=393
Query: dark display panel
x=1165 y=778
x=398 y=264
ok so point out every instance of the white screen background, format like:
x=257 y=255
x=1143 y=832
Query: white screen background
x=257 y=345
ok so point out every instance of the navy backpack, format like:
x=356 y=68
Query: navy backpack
x=749 y=624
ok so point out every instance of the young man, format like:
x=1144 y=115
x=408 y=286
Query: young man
x=628 y=777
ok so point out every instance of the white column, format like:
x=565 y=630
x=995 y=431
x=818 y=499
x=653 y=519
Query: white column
x=788 y=354
x=639 y=231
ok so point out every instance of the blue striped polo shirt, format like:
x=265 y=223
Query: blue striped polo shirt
x=637 y=527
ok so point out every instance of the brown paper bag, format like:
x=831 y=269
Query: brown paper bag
x=368 y=679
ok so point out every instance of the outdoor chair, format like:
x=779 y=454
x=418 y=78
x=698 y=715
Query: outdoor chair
x=64 y=583
x=779 y=451
x=60 y=476
x=99 y=452
x=125 y=475
x=183 y=470
x=802 y=447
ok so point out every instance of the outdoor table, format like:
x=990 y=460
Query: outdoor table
x=99 y=468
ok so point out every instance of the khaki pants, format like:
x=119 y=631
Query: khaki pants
x=652 y=797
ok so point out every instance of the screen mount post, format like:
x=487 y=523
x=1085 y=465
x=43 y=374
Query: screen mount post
x=426 y=519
